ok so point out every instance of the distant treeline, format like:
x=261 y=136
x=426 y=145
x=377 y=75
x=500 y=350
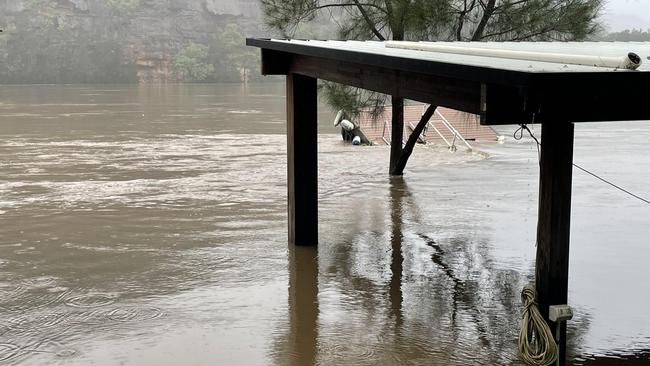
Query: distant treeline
x=634 y=35
x=60 y=46
x=54 y=55
x=62 y=56
x=127 y=41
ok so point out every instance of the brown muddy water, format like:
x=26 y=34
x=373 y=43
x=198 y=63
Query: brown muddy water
x=147 y=226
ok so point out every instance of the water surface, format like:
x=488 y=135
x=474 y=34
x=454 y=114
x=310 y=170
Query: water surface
x=147 y=225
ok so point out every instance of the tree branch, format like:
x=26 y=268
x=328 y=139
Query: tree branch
x=356 y=4
x=487 y=14
x=369 y=21
x=413 y=139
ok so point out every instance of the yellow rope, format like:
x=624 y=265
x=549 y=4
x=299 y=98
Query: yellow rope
x=536 y=343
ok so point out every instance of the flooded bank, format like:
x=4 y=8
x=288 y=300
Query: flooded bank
x=146 y=225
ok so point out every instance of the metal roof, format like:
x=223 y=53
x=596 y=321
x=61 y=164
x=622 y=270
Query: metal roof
x=507 y=83
x=577 y=48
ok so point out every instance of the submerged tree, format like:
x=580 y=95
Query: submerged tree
x=230 y=51
x=192 y=63
x=457 y=20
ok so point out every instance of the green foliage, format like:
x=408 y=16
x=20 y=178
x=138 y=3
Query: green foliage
x=362 y=19
x=243 y=58
x=47 y=42
x=534 y=20
x=54 y=53
x=353 y=100
x=192 y=63
x=634 y=35
x=457 y=20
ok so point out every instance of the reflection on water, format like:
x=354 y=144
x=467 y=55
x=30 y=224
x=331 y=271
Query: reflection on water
x=146 y=225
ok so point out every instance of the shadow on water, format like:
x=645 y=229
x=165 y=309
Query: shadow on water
x=397 y=194
x=435 y=301
x=303 y=305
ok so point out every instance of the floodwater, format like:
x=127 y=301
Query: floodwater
x=147 y=226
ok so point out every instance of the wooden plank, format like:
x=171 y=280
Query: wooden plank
x=554 y=222
x=457 y=94
x=302 y=163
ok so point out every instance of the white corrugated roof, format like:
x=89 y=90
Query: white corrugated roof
x=613 y=49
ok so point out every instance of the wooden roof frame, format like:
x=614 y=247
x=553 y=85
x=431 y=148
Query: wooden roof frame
x=499 y=96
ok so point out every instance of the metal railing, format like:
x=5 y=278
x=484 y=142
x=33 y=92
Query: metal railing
x=453 y=130
x=445 y=122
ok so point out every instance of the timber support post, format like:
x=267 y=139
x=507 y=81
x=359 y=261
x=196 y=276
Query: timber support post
x=303 y=305
x=397 y=135
x=553 y=227
x=302 y=160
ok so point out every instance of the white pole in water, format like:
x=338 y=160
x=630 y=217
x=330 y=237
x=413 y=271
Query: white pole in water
x=631 y=61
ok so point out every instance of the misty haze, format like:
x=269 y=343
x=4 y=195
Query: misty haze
x=162 y=202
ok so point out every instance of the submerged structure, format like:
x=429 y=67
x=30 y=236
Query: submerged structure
x=447 y=127
x=552 y=84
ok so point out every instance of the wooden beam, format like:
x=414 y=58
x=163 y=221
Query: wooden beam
x=452 y=93
x=553 y=228
x=275 y=62
x=535 y=98
x=302 y=163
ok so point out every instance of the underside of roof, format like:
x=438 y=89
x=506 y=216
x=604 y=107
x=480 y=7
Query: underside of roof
x=502 y=90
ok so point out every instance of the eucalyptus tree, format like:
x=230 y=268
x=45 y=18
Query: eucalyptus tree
x=449 y=20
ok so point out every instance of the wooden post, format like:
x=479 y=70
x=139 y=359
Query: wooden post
x=303 y=305
x=397 y=135
x=553 y=227
x=302 y=164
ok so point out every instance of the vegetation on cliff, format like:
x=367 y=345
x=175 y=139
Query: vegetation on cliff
x=127 y=41
x=192 y=63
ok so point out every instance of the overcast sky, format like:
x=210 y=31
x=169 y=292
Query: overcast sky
x=626 y=14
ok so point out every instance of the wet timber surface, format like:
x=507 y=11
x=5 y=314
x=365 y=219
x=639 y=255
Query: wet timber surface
x=147 y=226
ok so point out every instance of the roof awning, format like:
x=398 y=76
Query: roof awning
x=501 y=90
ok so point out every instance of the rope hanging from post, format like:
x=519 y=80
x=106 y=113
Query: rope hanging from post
x=536 y=343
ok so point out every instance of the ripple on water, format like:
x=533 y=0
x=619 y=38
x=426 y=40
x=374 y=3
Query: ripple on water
x=31 y=300
x=135 y=314
x=52 y=347
x=34 y=325
x=351 y=353
x=8 y=351
x=90 y=300
x=66 y=353
x=51 y=320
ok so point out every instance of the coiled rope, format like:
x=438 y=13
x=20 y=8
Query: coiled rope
x=537 y=346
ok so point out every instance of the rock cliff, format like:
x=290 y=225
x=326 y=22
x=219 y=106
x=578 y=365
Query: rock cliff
x=146 y=34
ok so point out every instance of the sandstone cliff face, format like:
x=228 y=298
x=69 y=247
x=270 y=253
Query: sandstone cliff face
x=150 y=32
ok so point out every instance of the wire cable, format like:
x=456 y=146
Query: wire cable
x=519 y=134
x=537 y=346
x=520 y=131
x=612 y=184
